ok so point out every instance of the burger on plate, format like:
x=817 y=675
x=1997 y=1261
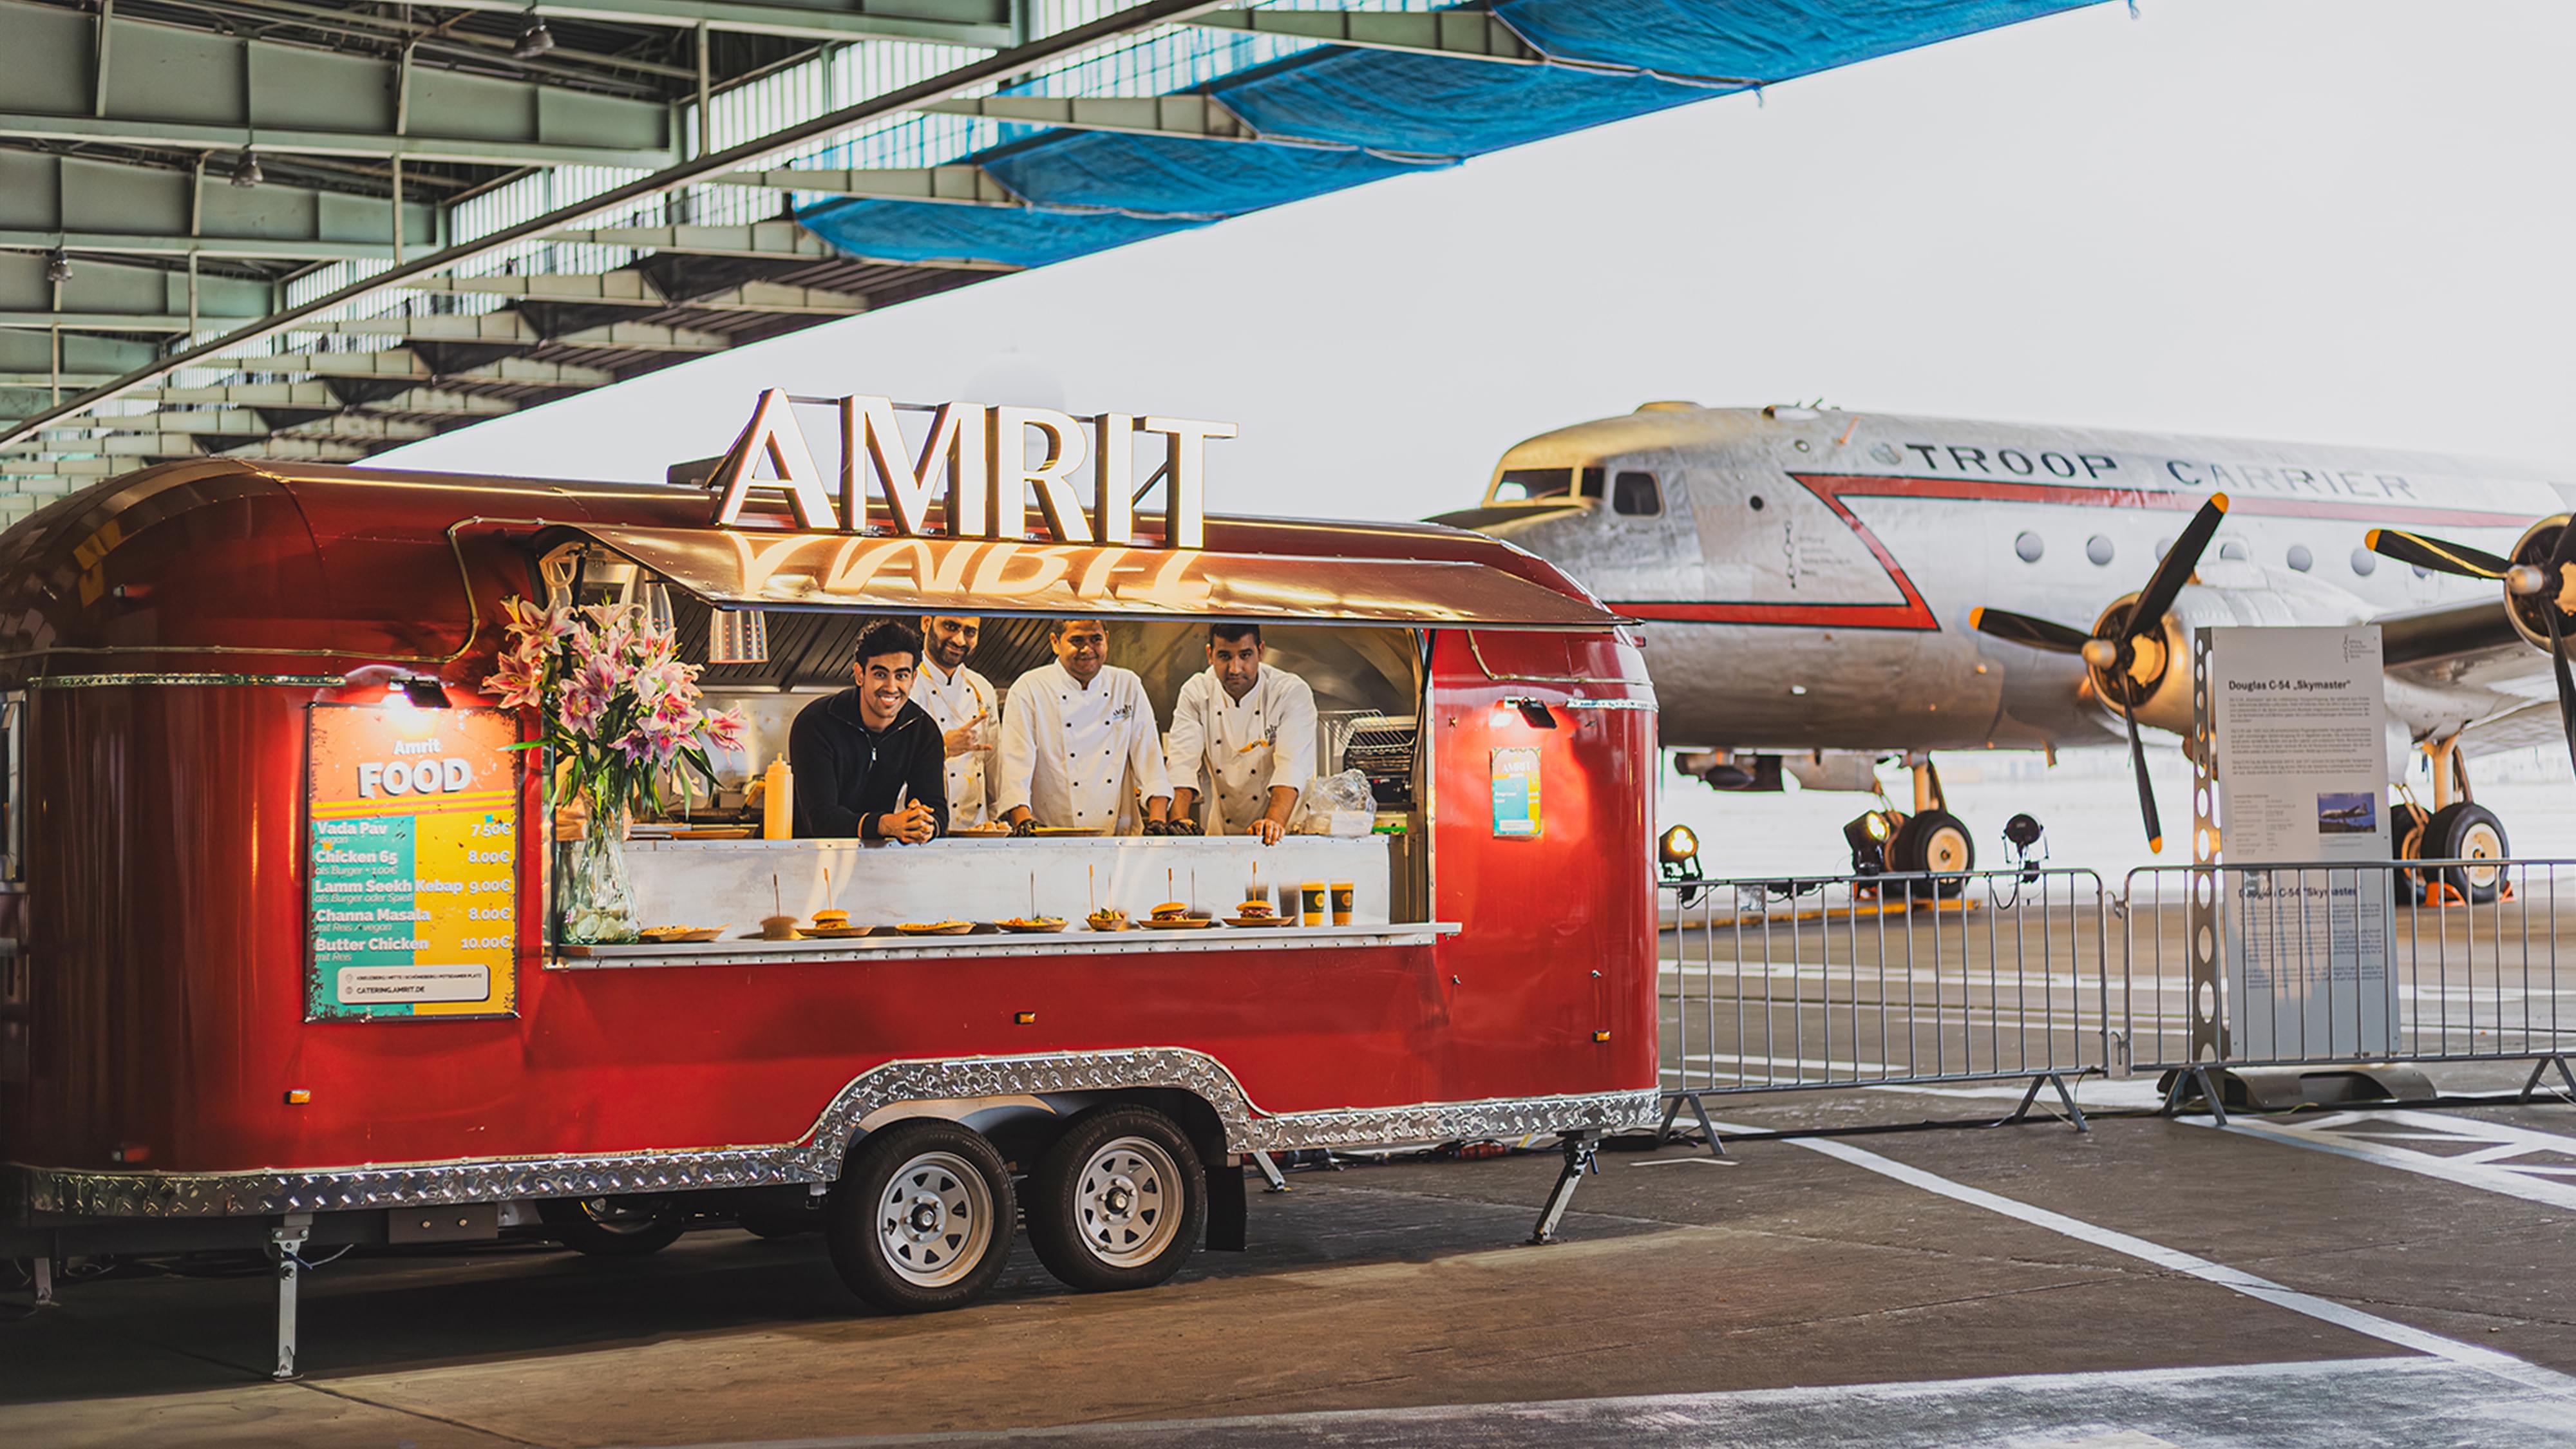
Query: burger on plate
x=1254 y=909
x=1172 y=911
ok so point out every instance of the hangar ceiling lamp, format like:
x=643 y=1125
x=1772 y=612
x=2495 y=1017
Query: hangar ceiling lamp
x=246 y=172
x=58 y=266
x=534 y=41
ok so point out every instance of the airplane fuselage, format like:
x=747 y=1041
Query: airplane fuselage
x=1805 y=577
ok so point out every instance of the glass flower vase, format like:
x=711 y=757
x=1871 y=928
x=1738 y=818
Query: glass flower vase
x=595 y=901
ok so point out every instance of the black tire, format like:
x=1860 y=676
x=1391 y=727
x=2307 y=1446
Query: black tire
x=922 y=1218
x=614 y=1227
x=2467 y=832
x=1934 y=841
x=1119 y=1201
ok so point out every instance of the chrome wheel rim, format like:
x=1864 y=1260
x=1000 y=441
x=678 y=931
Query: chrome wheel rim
x=1127 y=1202
x=934 y=1220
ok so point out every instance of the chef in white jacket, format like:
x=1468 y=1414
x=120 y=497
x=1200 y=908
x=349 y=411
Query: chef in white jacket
x=1080 y=742
x=967 y=710
x=1244 y=734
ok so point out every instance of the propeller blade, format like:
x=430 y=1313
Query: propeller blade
x=2566 y=679
x=2045 y=634
x=2174 y=569
x=2146 y=792
x=2432 y=553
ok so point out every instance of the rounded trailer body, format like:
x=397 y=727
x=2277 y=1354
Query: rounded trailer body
x=165 y=639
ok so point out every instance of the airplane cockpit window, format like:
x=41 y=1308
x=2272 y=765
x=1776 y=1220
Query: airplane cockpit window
x=1528 y=485
x=1636 y=494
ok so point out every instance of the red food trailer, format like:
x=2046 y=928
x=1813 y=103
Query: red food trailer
x=240 y=701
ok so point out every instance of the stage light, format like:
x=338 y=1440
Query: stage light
x=534 y=41
x=2022 y=832
x=1867 y=834
x=246 y=172
x=58 y=266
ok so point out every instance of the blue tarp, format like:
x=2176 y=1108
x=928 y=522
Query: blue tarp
x=1381 y=113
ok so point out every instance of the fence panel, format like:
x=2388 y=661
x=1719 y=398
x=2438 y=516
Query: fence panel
x=1813 y=982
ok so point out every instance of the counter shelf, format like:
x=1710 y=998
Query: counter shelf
x=735 y=883
x=1072 y=941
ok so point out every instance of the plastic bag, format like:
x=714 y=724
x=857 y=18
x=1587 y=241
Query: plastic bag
x=1335 y=805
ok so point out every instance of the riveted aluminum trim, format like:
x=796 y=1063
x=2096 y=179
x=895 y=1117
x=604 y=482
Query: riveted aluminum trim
x=814 y=1158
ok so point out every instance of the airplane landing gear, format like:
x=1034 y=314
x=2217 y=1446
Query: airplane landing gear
x=1931 y=840
x=2457 y=828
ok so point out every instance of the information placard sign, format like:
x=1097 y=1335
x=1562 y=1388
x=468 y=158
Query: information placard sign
x=1516 y=810
x=2299 y=722
x=411 y=862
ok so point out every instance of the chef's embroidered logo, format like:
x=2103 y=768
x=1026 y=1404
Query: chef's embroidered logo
x=1124 y=711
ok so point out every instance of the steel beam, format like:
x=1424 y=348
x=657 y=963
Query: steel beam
x=1449 y=34
x=619 y=200
x=628 y=288
x=944 y=185
x=784 y=240
x=396 y=364
x=242 y=423
x=950 y=22
x=146 y=245
x=1185 y=118
x=267 y=96
x=518 y=330
x=305 y=450
x=91 y=207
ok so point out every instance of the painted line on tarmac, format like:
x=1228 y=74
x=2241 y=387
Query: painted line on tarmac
x=2486 y=1169
x=2467 y=1355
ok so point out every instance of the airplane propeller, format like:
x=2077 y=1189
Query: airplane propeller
x=2530 y=581
x=2110 y=650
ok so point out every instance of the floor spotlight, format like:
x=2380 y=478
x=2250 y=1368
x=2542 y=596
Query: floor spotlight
x=534 y=41
x=58 y=266
x=246 y=172
x=1867 y=835
x=1678 y=853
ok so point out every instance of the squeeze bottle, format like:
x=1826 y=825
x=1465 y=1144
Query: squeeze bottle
x=777 y=800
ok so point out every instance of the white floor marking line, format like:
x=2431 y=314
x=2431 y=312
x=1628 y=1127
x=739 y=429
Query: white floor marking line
x=2532 y=1183
x=2468 y=1355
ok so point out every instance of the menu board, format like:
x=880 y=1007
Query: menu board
x=411 y=862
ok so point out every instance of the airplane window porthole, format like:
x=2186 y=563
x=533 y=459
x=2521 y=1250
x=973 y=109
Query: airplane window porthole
x=2300 y=559
x=2233 y=548
x=2098 y=549
x=2422 y=572
x=2364 y=562
x=2029 y=547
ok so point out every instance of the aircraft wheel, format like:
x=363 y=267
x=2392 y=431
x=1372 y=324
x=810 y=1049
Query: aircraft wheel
x=1937 y=842
x=1117 y=1201
x=613 y=1227
x=2467 y=832
x=922 y=1218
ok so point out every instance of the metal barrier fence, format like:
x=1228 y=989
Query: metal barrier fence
x=2338 y=962
x=1837 y=981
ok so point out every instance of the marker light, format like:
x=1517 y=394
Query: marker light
x=1678 y=853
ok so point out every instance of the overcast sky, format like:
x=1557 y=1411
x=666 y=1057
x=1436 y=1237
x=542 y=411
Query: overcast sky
x=2339 y=220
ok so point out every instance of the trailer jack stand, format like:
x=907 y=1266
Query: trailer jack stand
x=1581 y=1148
x=1270 y=1172
x=287 y=1238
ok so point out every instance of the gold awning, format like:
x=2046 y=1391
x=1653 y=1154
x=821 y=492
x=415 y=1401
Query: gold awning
x=741 y=569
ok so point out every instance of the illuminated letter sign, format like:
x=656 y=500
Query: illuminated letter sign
x=984 y=453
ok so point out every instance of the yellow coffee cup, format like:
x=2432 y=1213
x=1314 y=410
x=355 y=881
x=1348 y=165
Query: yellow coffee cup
x=1310 y=902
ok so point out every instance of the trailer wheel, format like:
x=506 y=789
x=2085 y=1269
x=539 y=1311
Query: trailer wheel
x=1117 y=1201
x=614 y=1227
x=922 y=1218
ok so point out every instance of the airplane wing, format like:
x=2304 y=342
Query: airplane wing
x=2470 y=651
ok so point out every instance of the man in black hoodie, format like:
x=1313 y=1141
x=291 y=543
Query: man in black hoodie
x=869 y=762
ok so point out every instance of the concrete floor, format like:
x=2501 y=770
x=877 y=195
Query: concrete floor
x=2155 y=1282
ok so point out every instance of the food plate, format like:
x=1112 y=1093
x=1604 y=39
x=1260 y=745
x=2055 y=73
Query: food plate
x=1032 y=925
x=936 y=928
x=1251 y=922
x=711 y=832
x=981 y=832
x=1057 y=832
x=1114 y=923
x=833 y=933
x=1185 y=923
x=676 y=935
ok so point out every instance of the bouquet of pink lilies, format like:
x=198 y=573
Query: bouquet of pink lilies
x=617 y=704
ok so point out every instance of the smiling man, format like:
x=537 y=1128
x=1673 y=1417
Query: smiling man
x=966 y=709
x=1079 y=741
x=869 y=762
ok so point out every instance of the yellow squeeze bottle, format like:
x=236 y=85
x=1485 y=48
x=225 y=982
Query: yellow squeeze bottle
x=777 y=801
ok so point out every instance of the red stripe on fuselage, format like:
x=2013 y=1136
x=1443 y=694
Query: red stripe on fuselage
x=1832 y=488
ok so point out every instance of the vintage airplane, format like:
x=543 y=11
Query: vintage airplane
x=1822 y=589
